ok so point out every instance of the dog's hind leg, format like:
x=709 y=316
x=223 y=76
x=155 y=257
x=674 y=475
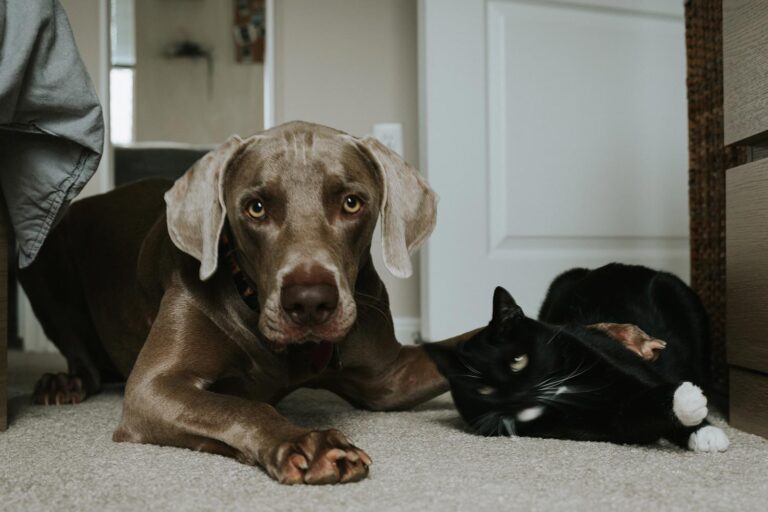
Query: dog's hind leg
x=56 y=295
x=70 y=329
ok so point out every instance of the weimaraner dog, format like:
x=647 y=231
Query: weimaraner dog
x=252 y=278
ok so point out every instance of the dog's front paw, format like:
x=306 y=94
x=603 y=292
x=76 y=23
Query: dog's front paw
x=708 y=439
x=689 y=404
x=318 y=457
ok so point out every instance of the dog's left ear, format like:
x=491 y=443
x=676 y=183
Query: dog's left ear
x=195 y=206
x=408 y=206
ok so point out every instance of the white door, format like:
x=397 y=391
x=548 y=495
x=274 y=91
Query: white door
x=555 y=133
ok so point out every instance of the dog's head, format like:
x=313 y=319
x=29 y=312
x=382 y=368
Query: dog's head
x=301 y=201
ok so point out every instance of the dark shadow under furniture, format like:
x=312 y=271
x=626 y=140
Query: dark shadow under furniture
x=5 y=230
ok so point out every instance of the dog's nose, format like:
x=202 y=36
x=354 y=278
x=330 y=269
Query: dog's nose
x=309 y=304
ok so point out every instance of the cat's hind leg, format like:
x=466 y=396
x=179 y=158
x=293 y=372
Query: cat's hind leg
x=708 y=438
x=676 y=412
x=689 y=406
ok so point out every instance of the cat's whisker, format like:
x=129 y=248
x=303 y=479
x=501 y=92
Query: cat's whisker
x=550 y=378
x=468 y=366
x=562 y=380
x=573 y=375
x=509 y=425
x=466 y=375
x=557 y=333
x=483 y=422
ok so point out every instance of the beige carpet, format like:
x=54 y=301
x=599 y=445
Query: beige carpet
x=62 y=458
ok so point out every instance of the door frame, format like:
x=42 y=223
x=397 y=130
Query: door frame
x=450 y=33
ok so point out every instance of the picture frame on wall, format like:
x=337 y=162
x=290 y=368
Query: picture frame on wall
x=250 y=24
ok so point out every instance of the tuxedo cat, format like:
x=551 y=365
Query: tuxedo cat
x=555 y=378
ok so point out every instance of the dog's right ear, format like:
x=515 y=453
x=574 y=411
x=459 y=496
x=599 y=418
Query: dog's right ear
x=408 y=209
x=195 y=206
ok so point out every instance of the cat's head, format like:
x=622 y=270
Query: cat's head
x=500 y=375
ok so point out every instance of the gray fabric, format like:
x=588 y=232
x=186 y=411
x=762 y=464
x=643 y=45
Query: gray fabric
x=51 y=126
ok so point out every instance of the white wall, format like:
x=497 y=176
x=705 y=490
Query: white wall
x=173 y=101
x=90 y=24
x=349 y=64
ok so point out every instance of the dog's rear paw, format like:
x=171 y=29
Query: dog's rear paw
x=318 y=457
x=708 y=439
x=689 y=404
x=59 y=389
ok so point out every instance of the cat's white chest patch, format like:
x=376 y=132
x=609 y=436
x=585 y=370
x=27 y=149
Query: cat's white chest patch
x=530 y=413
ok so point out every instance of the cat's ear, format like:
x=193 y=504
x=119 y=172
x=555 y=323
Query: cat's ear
x=504 y=306
x=445 y=358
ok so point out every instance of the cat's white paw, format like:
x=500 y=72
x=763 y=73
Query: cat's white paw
x=689 y=404
x=708 y=439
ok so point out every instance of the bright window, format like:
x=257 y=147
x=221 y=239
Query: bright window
x=121 y=74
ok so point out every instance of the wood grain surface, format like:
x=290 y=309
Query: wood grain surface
x=749 y=401
x=747 y=265
x=745 y=69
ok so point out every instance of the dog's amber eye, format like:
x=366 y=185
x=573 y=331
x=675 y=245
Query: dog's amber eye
x=352 y=204
x=255 y=210
x=518 y=363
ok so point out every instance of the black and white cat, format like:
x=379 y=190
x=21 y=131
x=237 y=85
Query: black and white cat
x=555 y=378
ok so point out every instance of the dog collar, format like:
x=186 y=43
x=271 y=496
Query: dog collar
x=243 y=285
x=321 y=355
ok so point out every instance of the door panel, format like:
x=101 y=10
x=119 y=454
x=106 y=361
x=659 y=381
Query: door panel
x=564 y=145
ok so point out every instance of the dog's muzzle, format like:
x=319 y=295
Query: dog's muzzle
x=309 y=305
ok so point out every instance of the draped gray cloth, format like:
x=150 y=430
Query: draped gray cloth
x=51 y=125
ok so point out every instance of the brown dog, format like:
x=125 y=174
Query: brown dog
x=130 y=286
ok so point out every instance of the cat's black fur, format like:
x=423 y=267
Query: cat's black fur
x=579 y=383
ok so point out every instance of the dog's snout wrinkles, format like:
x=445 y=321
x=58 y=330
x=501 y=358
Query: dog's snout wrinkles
x=309 y=304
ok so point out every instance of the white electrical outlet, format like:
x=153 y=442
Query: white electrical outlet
x=391 y=135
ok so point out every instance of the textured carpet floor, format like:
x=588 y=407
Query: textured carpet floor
x=62 y=458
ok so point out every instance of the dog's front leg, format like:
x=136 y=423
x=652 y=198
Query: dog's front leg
x=398 y=378
x=167 y=402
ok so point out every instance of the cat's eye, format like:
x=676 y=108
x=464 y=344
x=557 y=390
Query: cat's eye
x=486 y=390
x=352 y=204
x=256 y=210
x=518 y=363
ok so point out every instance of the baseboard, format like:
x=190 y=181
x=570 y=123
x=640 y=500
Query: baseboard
x=407 y=330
